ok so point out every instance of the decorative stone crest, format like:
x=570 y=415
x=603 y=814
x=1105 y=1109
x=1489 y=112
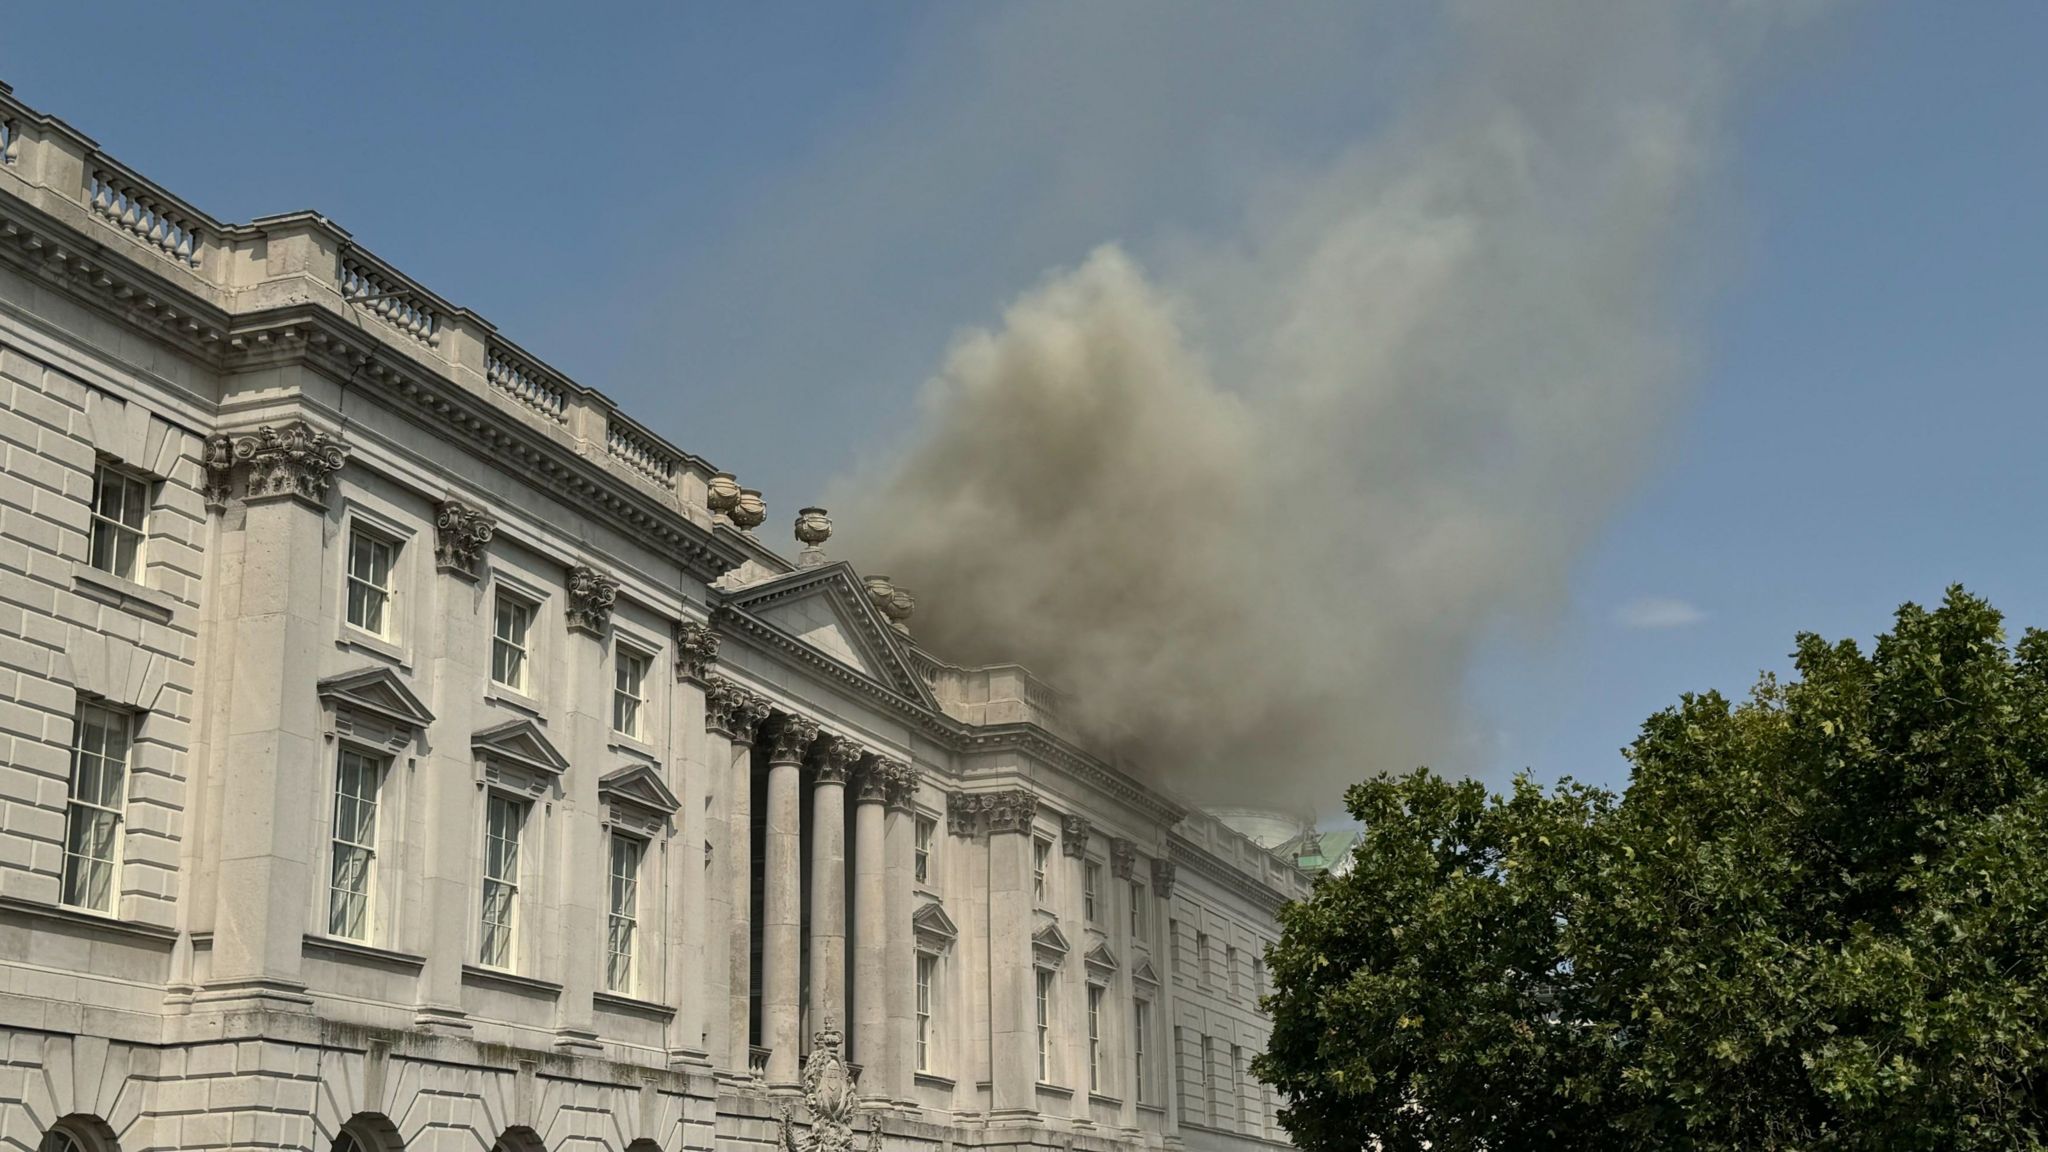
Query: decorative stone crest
x=835 y=757
x=696 y=648
x=1162 y=878
x=829 y=1095
x=790 y=739
x=1123 y=859
x=1012 y=811
x=592 y=594
x=460 y=534
x=813 y=528
x=748 y=511
x=1074 y=832
x=294 y=460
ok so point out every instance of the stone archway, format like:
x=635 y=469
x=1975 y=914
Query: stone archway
x=79 y=1132
x=519 y=1138
x=368 y=1132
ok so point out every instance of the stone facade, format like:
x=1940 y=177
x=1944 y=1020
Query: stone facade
x=401 y=747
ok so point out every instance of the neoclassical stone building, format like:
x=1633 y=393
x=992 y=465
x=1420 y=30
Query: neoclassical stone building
x=403 y=748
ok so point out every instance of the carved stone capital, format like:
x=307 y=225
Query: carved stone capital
x=746 y=712
x=460 y=535
x=293 y=461
x=1012 y=811
x=696 y=648
x=902 y=785
x=1074 y=831
x=1123 y=859
x=790 y=739
x=834 y=759
x=963 y=812
x=1162 y=878
x=592 y=595
x=885 y=781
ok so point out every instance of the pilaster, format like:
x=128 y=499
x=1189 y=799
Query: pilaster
x=1013 y=991
x=781 y=910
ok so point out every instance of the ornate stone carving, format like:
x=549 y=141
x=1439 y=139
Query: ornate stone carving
x=963 y=812
x=829 y=1095
x=886 y=781
x=748 y=510
x=592 y=594
x=898 y=609
x=1074 y=832
x=732 y=710
x=294 y=460
x=791 y=737
x=813 y=528
x=1012 y=811
x=835 y=758
x=722 y=492
x=696 y=648
x=460 y=534
x=1123 y=859
x=1162 y=878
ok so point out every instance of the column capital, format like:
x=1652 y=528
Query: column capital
x=696 y=647
x=294 y=460
x=592 y=595
x=883 y=780
x=1123 y=858
x=1074 y=832
x=731 y=710
x=835 y=758
x=1011 y=811
x=1162 y=878
x=460 y=533
x=791 y=737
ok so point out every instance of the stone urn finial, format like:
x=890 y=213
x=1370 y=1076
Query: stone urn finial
x=813 y=528
x=749 y=511
x=722 y=492
x=898 y=609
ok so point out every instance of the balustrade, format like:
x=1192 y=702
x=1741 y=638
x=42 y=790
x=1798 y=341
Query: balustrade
x=526 y=382
x=129 y=205
x=388 y=298
x=640 y=452
x=10 y=141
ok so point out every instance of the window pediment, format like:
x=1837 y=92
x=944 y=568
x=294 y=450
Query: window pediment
x=1101 y=959
x=1143 y=973
x=934 y=929
x=373 y=705
x=522 y=744
x=639 y=787
x=1049 y=946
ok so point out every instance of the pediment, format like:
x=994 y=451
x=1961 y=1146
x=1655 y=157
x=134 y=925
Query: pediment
x=1144 y=974
x=521 y=742
x=827 y=610
x=1101 y=958
x=379 y=692
x=1050 y=943
x=641 y=786
x=930 y=921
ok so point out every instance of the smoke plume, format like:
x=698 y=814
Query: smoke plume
x=1253 y=514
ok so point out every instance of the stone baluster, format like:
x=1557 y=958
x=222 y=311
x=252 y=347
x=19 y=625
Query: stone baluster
x=781 y=905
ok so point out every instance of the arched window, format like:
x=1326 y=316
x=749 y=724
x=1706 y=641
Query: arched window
x=367 y=1132
x=519 y=1139
x=60 y=1139
x=79 y=1133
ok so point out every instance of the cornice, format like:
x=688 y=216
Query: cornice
x=1195 y=858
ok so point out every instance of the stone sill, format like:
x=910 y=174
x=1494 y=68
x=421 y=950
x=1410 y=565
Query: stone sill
x=357 y=950
x=1155 y=1109
x=1060 y=1091
x=632 y=1005
x=934 y=1080
x=617 y=741
x=516 y=700
x=354 y=637
x=1110 y=1101
x=126 y=595
x=477 y=974
x=105 y=922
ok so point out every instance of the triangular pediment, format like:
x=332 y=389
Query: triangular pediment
x=379 y=692
x=521 y=742
x=1101 y=958
x=828 y=611
x=1050 y=943
x=930 y=921
x=641 y=786
x=1144 y=974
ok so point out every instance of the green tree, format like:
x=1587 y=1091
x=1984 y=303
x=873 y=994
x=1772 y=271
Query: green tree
x=1816 y=920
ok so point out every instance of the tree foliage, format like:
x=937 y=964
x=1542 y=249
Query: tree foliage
x=1817 y=919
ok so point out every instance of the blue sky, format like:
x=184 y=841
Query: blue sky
x=759 y=226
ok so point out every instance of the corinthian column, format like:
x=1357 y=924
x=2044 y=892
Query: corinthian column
x=828 y=881
x=781 y=907
x=735 y=713
x=871 y=929
x=899 y=949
